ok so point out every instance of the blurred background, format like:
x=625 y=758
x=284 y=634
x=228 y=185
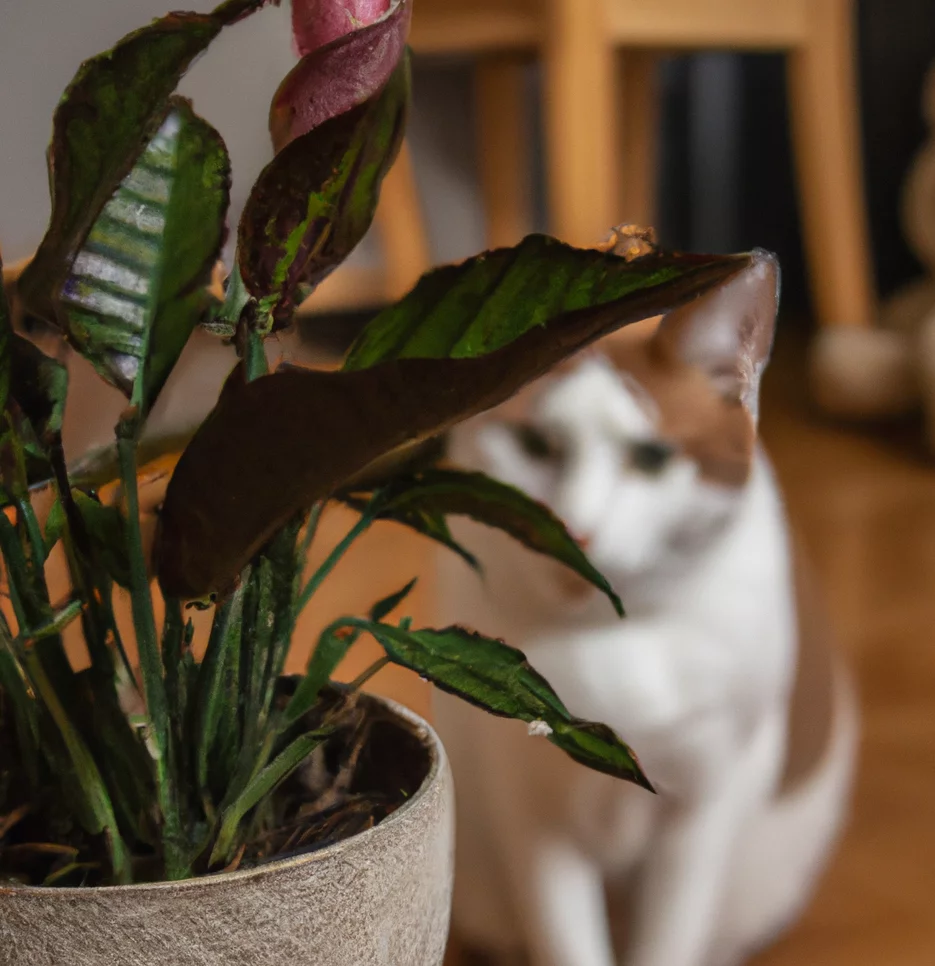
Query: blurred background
x=795 y=126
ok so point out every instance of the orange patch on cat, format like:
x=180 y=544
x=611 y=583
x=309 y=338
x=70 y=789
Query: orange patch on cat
x=716 y=432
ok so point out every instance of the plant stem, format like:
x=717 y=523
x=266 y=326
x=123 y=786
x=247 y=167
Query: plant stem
x=97 y=798
x=99 y=624
x=144 y=622
x=29 y=594
x=330 y=562
x=225 y=636
x=311 y=529
x=368 y=673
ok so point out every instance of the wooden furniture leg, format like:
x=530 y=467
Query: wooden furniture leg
x=578 y=107
x=503 y=141
x=403 y=234
x=823 y=105
x=639 y=132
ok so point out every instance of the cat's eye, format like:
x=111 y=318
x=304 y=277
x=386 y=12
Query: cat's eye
x=650 y=457
x=534 y=443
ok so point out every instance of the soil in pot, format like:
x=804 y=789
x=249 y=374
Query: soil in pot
x=364 y=772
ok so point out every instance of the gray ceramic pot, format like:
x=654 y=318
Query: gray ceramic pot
x=380 y=898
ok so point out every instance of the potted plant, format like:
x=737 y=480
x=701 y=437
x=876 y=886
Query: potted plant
x=192 y=805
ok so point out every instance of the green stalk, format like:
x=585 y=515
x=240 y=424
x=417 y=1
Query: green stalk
x=331 y=561
x=14 y=683
x=287 y=556
x=311 y=529
x=89 y=777
x=208 y=704
x=255 y=644
x=29 y=593
x=16 y=572
x=173 y=646
x=144 y=622
x=368 y=673
x=261 y=785
x=98 y=621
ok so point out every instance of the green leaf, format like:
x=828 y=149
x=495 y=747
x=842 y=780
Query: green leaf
x=385 y=607
x=424 y=520
x=261 y=787
x=95 y=806
x=315 y=200
x=113 y=107
x=6 y=340
x=472 y=309
x=596 y=747
x=55 y=524
x=121 y=754
x=499 y=679
x=481 y=669
x=56 y=623
x=446 y=492
x=223 y=318
x=223 y=643
x=106 y=529
x=136 y=289
x=332 y=647
x=39 y=386
x=256 y=643
x=286 y=440
x=35 y=408
x=368 y=515
x=26 y=711
x=286 y=559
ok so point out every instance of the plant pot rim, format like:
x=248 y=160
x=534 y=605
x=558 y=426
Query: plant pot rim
x=413 y=722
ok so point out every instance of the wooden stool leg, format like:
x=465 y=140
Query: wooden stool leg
x=503 y=138
x=823 y=106
x=578 y=108
x=402 y=230
x=639 y=125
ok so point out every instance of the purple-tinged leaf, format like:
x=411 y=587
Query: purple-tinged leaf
x=344 y=73
x=318 y=22
x=286 y=440
x=315 y=200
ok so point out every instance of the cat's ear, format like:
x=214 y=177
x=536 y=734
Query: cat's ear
x=728 y=332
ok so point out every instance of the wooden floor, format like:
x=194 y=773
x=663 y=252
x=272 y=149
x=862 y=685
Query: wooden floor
x=865 y=504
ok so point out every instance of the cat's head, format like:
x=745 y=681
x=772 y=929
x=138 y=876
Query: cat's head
x=644 y=444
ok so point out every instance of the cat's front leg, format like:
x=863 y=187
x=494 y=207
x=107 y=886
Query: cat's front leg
x=681 y=887
x=560 y=895
x=688 y=860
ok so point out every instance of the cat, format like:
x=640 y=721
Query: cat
x=718 y=676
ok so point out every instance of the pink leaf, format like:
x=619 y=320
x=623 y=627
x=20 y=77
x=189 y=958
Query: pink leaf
x=347 y=71
x=318 y=22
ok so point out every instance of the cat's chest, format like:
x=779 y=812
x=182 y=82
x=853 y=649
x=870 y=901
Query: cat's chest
x=682 y=690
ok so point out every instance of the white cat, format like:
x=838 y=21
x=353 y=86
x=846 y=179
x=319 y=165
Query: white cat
x=646 y=447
